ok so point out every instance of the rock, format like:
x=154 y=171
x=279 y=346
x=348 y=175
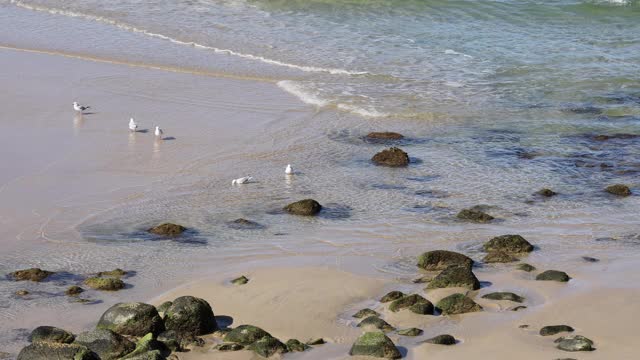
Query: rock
x=306 y=207
x=386 y=135
x=444 y=339
x=189 y=315
x=150 y=355
x=74 y=290
x=526 y=267
x=547 y=192
x=498 y=257
x=442 y=259
x=375 y=344
x=294 y=345
x=51 y=334
x=162 y=308
x=245 y=335
x=553 y=275
x=391 y=296
x=49 y=351
x=618 y=189
x=410 y=332
x=574 y=343
x=107 y=344
x=523 y=326
x=374 y=322
x=517 y=308
x=590 y=259
x=364 y=313
x=423 y=279
x=555 y=329
x=33 y=274
x=268 y=346
x=319 y=341
x=135 y=319
x=457 y=304
x=244 y=224
x=414 y=302
x=392 y=157
x=455 y=276
x=229 y=347
x=503 y=296
x=22 y=292
x=168 y=229
x=474 y=216
x=512 y=244
x=105 y=284
x=113 y=273
x=146 y=347
x=171 y=340
x=240 y=281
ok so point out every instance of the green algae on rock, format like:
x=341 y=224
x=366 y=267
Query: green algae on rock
x=104 y=284
x=134 y=319
x=375 y=344
x=553 y=275
x=512 y=244
x=306 y=207
x=457 y=304
x=51 y=334
x=33 y=274
x=455 y=276
x=374 y=322
x=442 y=259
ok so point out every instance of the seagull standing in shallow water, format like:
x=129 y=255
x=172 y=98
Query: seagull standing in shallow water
x=133 y=126
x=158 y=131
x=242 y=180
x=79 y=108
x=288 y=170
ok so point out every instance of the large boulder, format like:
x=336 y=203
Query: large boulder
x=190 y=315
x=574 y=343
x=375 y=344
x=553 y=275
x=245 y=335
x=511 y=244
x=104 y=284
x=618 y=189
x=107 y=344
x=268 y=346
x=57 y=351
x=374 y=322
x=135 y=319
x=457 y=304
x=33 y=274
x=393 y=157
x=555 y=329
x=168 y=229
x=455 y=276
x=474 y=215
x=442 y=259
x=51 y=334
x=415 y=303
x=503 y=296
x=306 y=207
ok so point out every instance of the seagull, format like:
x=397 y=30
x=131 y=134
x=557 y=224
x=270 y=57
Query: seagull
x=80 y=108
x=242 y=180
x=133 y=126
x=158 y=131
x=288 y=170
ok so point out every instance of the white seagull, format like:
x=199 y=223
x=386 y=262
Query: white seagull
x=288 y=170
x=79 y=108
x=242 y=180
x=158 y=131
x=133 y=126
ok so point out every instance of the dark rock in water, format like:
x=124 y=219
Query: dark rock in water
x=590 y=259
x=547 y=192
x=306 y=207
x=584 y=110
x=365 y=313
x=375 y=344
x=415 y=303
x=49 y=351
x=498 y=257
x=168 y=229
x=526 y=267
x=512 y=244
x=455 y=276
x=442 y=259
x=391 y=296
x=444 y=339
x=135 y=319
x=618 y=189
x=74 y=290
x=33 y=274
x=377 y=323
x=244 y=224
x=392 y=157
x=457 y=304
x=319 y=341
x=294 y=345
x=503 y=296
x=107 y=344
x=162 y=308
x=268 y=346
x=574 y=343
x=474 y=215
x=245 y=334
x=554 y=329
x=171 y=339
x=189 y=315
x=517 y=308
x=386 y=135
x=240 y=281
x=229 y=347
x=410 y=332
x=22 y=292
x=113 y=273
x=51 y=334
x=148 y=348
x=553 y=275
x=105 y=284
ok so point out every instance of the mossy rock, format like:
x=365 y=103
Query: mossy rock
x=457 y=304
x=618 y=189
x=107 y=344
x=164 y=306
x=498 y=257
x=171 y=339
x=474 y=215
x=574 y=343
x=104 y=284
x=168 y=229
x=384 y=135
x=410 y=332
x=306 y=207
x=526 y=267
x=149 y=355
x=74 y=290
x=455 y=276
x=444 y=339
x=294 y=345
x=412 y=302
x=33 y=274
x=114 y=273
x=146 y=345
x=553 y=275
x=51 y=334
x=374 y=322
x=546 y=192
x=240 y=280
x=511 y=244
x=245 y=334
x=49 y=351
x=555 y=329
x=503 y=296
x=375 y=344
x=134 y=319
x=442 y=259
x=190 y=315
x=319 y=341
x=268 y=346
x=391 y=296
x=229 y=347
x=392 y=157
x=365 y=313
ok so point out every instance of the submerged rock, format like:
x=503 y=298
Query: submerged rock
x=455 y=276
x=33 y=274
x=105 y=284
x=414 y=303
x=375 y=344
x=240 y=280
x=526 y=267
x=457 y=304
x=391 y=296
x=503 y=296
x=618 y=189
x=442 y=259
x=474 y=215
x=590 y=259
x=410 y=332
x=574 y=343
x=374 y=322
x=498 y=257
x=168 y=229
x=244 y=224
x=49 y=351
x=22 y=292
x=306 y=207
x=385 y=135
x=365 y=313
x=555 y=329
x=190 y=315
x=107 y=344
x=392 y=157
x=74 y=290
x=268 y=346
x=553 y=275
x=512 y=244
x=135 y=319
x=245 y=334
x=294 y=345
x=444 y=339
x=546 y=192
x=51 y=334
